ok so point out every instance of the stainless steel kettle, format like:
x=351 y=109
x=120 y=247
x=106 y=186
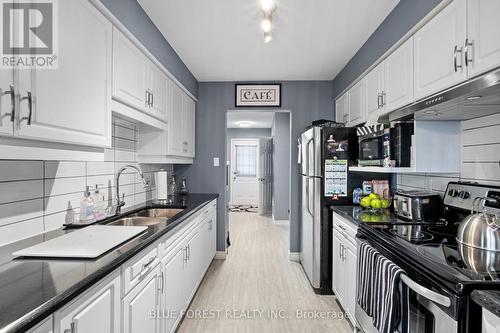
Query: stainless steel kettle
x=480 y=230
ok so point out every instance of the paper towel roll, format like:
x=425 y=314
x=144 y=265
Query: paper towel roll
x=162 y=185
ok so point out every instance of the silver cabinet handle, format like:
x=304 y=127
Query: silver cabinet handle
x=71 y=328
x=383 y=99
x=152 y=99
x=341 y=227
x=185 y=251
x=379 y=104
x=162 y=282
x=12 y=94
x=340 y=250
x=189 y=251
x=468 y=43
x=185 y=146
x=425 y=292
x=30 y=107
x=456 y=66
x=147 y=98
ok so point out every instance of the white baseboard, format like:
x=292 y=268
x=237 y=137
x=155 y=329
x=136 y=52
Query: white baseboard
x=220 y=255
x=281 y=222
x=294 y=256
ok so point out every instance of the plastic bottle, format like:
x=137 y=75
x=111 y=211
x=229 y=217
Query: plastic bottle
x=87 y=207
x=99 y=205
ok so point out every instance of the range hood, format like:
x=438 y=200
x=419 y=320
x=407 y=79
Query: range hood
x=477 y=97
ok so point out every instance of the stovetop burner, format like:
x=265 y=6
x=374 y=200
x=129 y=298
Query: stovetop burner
x=412 y=233
x=443 y=231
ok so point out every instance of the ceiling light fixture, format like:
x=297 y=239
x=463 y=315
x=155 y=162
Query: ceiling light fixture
x=266 y=24
x=268 y=36
x=245 y=124
x=473 y=98
x=267 y=5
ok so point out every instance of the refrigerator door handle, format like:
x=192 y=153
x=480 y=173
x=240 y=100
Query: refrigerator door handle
x=308 y=159
x=308 y=197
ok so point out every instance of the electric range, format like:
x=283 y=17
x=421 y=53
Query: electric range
x=433 y=259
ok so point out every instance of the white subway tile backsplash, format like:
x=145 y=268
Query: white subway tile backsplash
x=20 y=170
x=59 y=169
x=38 y=196
x=19 y=191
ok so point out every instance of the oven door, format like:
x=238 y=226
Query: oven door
x=371 y=148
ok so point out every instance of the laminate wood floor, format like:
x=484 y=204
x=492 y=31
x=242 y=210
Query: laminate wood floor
x=258 y=289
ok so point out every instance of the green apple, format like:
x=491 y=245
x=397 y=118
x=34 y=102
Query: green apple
x=376 y=203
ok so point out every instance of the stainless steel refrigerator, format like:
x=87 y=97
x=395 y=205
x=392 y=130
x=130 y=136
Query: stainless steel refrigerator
x=325 y=154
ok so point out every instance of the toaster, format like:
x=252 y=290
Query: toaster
x=417 y=205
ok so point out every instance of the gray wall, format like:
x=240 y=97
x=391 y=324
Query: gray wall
x=281 y=165
x=131 y=14
x=243 y=133
x=403 y=17
x=307 y=101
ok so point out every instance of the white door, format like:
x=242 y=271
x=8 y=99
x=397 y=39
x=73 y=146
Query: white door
x=173 y=294
x=357 y=103
x=399 y=77
x=438 y=56
x=7 y=101
x=244 y=163
x=139 y=302
x=72 y=103
x=98 y=312
x=158 y=93
x=265 y=173
x=375 y=87
x=483 y=51
x=342 y=109
x=130 y=67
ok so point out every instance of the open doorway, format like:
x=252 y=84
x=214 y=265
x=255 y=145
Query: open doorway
x=258 y=160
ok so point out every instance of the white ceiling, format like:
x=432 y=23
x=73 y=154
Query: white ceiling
x=256 y=119
x=221 y=40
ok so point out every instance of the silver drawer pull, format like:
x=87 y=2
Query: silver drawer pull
x=425 y=292
x=341 y=227
x=150 y=261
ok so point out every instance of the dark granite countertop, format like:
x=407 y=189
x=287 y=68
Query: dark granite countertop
x=488 y=299
x=32 y=289
x=359 y=215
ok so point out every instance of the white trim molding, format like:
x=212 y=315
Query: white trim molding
x=281 y=222
x=294 y=256
x=220 y=255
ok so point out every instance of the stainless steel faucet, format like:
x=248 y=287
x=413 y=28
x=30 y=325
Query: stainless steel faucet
x=121 y=203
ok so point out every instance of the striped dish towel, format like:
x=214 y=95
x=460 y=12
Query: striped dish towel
x=379 y=290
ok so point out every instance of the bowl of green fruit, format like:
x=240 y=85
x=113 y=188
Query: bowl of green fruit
x=375 y=202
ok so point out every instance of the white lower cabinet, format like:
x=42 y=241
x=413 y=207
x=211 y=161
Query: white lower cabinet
x=98 y=310
x=344 y=266
x=490 y=322
x=138 y=305
x=46 y=326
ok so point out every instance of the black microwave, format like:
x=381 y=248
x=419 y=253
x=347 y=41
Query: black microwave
x=378 y=142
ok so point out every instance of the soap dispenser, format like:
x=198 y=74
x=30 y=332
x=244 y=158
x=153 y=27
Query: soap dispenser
x=99 y=205
x=87 y=207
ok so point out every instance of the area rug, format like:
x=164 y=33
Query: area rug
x=244 y=209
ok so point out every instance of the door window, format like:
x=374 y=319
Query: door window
x=246 y=160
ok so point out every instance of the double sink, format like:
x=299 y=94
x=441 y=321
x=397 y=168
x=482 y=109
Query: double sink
x=148 y=217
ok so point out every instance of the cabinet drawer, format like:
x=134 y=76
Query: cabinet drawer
x=346 y=228
x=135 y=270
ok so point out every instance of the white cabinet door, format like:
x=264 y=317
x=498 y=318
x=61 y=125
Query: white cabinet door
x=7 y=101
x=97 y=311
x=342 y=109
x=45 y=326
x=350 y=278
x=195 y=266
x=130 y=67
x=139 y=303
x=399 y=77
x=71 y=104
x=158 y=89
x=438 y=54
x=338 y=268
x=174 y=292
x=357 y=105
x=375 y=87
x=189 y=126
x=483 y=27
x=175 y=122
x=490 y=322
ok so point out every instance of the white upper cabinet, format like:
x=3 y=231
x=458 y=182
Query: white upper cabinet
x=175 y=117
x=357 y=104
x=157 y=92
x=438 y=55
x=399 y=77
x=189 y=114
x=130 y=67
x=375 y=90
x=482 y=49
x=7 y=101
x=342 y=109
x=70 y=104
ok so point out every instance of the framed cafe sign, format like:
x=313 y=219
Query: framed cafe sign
x=258 y=95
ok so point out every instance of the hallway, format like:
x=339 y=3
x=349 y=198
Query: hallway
x=257 y=288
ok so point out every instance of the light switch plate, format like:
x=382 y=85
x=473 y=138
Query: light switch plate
x=216 y=162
